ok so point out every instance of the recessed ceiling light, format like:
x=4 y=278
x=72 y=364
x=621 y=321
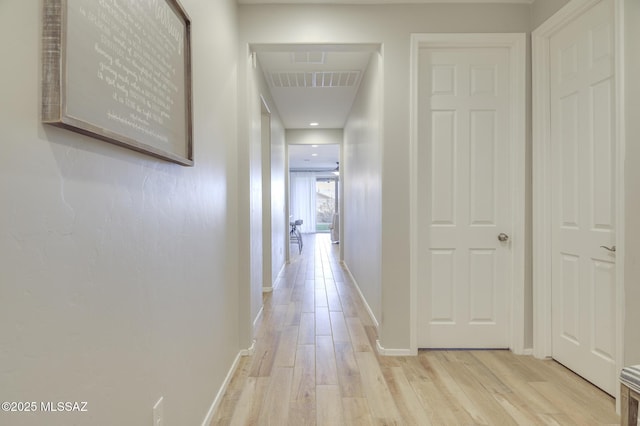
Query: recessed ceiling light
x=313 y=124
x=314 y=146
x=314 y=155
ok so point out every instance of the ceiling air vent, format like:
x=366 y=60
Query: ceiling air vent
x=292 y=79
x=314 y=79
x=307 y=57
x=337 y=78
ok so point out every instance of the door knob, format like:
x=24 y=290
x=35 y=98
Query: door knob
x=503 y=237
x=611 y=249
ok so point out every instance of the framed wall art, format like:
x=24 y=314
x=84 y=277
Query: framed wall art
x=120 y=71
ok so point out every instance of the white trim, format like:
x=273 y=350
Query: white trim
x=255 y=320
x=516 y=43
x=393 y=352
x=250 y=350
x=277 y=281
x=413 y=192
x=381 y=350
x=364 y=301
x=287 y=208
x=542 y=336
x=265 y=104
x=620 y=187
x=225 y=384
x=540 y=208
x=279 y=277
x=281 y=272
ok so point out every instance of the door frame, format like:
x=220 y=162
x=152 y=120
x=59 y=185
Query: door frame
x=542 y=179
x=267 y=245
x=516 y=45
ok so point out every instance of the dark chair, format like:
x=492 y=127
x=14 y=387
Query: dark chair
x=295 y=237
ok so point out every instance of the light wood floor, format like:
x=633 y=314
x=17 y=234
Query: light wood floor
x=315 y=364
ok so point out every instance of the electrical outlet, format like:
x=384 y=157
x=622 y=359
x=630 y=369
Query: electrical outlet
x=158 y=413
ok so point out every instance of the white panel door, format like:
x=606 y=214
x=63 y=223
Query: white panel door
x=583 y=155
x=464 y=202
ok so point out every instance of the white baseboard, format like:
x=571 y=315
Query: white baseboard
x=366 y=305
x=281 y=273
x=393 y=352
x=527 y=351
x=255 y=321
x=249 y=351
x=381 y=350
x=225 y=384
x=276 y=283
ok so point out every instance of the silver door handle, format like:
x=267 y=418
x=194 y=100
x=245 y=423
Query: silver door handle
x=503 y=237
x=611 y=249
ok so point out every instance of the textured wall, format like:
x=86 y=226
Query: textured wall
x=118 y=271
x=361 y=179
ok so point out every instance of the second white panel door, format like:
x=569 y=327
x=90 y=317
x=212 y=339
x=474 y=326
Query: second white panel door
x=583 y=195
x=464 y=199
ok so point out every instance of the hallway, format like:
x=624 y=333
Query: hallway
x=315 y=363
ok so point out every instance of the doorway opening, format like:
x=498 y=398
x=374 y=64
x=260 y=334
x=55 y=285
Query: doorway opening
x=314 y=183
x=326 y=203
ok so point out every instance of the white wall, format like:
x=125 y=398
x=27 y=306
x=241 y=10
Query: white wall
x=390 y=25
x=314 y=136
x=274 y=218
x=118 y=271
x=361 y=183
x=541 y=10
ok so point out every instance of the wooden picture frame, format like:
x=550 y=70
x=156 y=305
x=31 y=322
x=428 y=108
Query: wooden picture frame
x=120 y=71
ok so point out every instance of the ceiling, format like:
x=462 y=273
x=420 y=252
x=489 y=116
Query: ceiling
x=313 y=84
x=314 y=157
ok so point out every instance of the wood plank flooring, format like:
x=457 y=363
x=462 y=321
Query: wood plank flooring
x=315 y=364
